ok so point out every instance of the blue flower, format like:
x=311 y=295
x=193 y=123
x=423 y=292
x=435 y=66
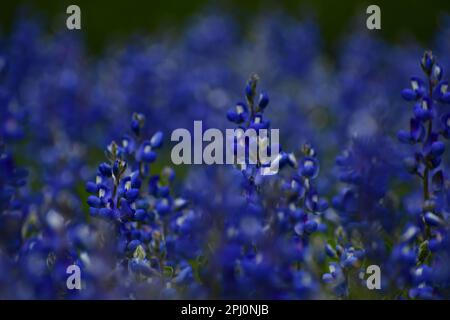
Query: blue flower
x=415 y=134
x=423 y=109
x=309 y=167
x=445 y=119
x=263 y=100
x=145 y=153
x=258 y=122
x=416 y=91
x=427 y=62
x=105 y=170
x=239 y=114
x=441 y=92
x=426 y=164
x=157 y=140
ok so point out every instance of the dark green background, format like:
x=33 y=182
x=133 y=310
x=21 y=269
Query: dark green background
x=104 y=21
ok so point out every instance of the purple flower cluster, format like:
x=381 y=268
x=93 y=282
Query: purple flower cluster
x=139 y=229
x=423 y=238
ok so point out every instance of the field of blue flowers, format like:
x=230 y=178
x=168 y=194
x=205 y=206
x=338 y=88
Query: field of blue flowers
x=86 y=176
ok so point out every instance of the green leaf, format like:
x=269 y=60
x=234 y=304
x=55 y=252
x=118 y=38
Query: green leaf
x=197 y=264
x=30 y=226
x=139 y=253
x=168 y=271
x=423 y=252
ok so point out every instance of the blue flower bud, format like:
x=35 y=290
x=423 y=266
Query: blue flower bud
x=422 y=273
x=163 y=191
x=259 y=123
x=157 y=140
x=433 y=220
x=105 y=170
x=349 y=261
x=184 y=275
x=309 y=167
x=423 y=109
x=298 y=228
x=263 y=100
x=437 y=72
x=310 y=226
x=232 y=116
x=135 y=180
x=417 y=130
x=409 y=94
x=327 y=278
x=437 y=148
x=180 y=204
x=404 y=136
x=239 y=114
x=140 y=215
x=441 y=92
x=435 y=244
x=249 y=90
x=297 y=214
x=410 y=233
x=127 y=145
x=416 y=133
x=94 y=201
x=137 y=123
x=145 y=153
x=132 y=194
x=162 y=206
x=329 y=250
x=91 y=187
x=427 y=62
x=135 y=127
x=416 y=91
x=421 y=292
